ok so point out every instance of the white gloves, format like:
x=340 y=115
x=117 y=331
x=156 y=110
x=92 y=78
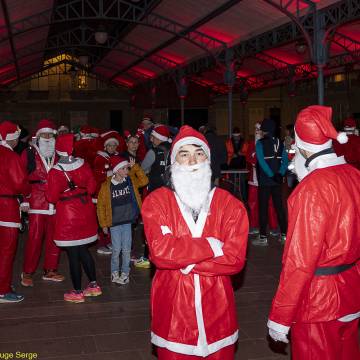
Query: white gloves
x=278 y=332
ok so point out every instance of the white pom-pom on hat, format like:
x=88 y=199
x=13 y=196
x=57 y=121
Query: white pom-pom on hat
x=342 y=138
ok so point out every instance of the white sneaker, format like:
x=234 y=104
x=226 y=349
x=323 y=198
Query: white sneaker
x=115 y=277
x=260 y=241
x=124 y=279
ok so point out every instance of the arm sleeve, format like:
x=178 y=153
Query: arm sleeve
x=235 y=237
x=91 y=182
x=148 y=161
x=19 y=177
x=166 y=250
x=101 y=208
x=138 y=173
x=260 y=158
x=306 y=234
x=53 y=189
x=284 y=162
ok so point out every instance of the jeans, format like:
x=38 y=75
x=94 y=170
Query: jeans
x=121 y=242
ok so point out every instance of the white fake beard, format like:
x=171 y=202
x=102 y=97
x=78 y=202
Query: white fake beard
x=192 y=184
x=47 y=147
x=298 y=165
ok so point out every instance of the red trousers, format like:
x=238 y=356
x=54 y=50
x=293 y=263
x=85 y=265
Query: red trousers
x=41 y=227
x=331 y=340
x=226 y=353
x=254 y=209
x=8 y=243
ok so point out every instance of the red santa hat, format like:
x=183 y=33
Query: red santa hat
x=189 y=136
x=117 y=162
x=349 y=124
x=9 y=131
x=161 y=132
x=314 y=130
x=111 y=137
x=64 y=145
x=128 y=135
x=147 y=120
x=63 y=128
x=88 y=132
x=45 y=126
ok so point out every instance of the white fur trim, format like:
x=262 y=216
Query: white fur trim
x=165 y=230
x=325 y=161
x=10 y=224
x=194 y=349
x=107 y=133
x=159 y=136
x=78 y=163
x=278 y=327
x=342 y=138
x=108 y=141
x=119 y=166
x=46 y=131
x=12 y=136
x=350 y=317
x=189 y=140
x=103 y=154
x=50 y=211
x=65 y=243
x=216 y=246
x=62 y=153
x=94 y=201
x=311 y=147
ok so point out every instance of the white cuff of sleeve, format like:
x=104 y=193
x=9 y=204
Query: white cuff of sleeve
x=24 y=204
x=278 y=327
x=216 y=246
x=188 y=269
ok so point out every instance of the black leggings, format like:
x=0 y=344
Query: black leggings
x=80 y=255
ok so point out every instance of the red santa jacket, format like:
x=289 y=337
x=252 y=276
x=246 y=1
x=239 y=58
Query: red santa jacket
x=37 y=179
x=323 y=231
x=13 y=182
x=86 y=149
x=75 y=219
x=192 y=301
x=350 y=150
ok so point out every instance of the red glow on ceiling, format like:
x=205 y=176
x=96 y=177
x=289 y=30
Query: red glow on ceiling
x=7 y=81
x=286 y=56
x=7 y=68
x=123 y=81
x=243 y=73
x=217 y=34
x=143 y=71
x=178 y=59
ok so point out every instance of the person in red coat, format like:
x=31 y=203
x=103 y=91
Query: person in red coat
x=318 y=297
x=70 y=186
x=86 y=146
x=38 y=159
x=13 y=183
x=197 y=237
x=351 y=149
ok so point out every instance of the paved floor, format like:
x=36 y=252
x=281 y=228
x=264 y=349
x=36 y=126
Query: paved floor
x=116 y=324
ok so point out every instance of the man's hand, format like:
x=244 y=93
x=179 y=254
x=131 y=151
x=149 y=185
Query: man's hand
x=25 y=207
x=278 y=332
x=105 y=230
x=132 y=162
x=278 y=336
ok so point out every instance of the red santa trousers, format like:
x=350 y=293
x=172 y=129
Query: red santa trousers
x=41 y=227
x=8 y=243
x=226 y=353
x=331 y=340
x=253 y=204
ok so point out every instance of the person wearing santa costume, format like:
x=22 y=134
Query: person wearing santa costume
x=351 y=149
x=38 y=159
x=63 y=129
x=197 y=238
x=13 y=184
x=111 y=143
x=86 y=146
x=253 y=202
x=70 y=186
x=318 y=297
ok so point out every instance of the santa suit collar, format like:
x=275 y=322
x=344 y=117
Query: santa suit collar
x=47 y=164
x=5 y=144
x=325 y=160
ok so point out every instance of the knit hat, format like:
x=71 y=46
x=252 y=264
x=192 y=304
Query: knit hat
x=314 y=130
x=188 y=136
x=268 y=126
x=45 y=126
x=64 y=145
x=117 y=162
x=9 y=131
x=161 y=132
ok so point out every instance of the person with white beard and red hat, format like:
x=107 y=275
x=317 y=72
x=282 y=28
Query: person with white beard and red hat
x=38 y=159
x=70 y=186
x=13 y=183
x=351 y=149
x=197 y=237
x=318 y=297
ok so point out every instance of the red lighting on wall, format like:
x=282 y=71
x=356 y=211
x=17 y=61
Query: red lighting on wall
x=7 y=68
x=178 y=59
x=8 y=81
x=218 y=34
x=123 y=82
x=143 y=71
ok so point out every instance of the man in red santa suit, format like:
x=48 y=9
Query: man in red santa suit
x=351 y=149
x=86 y=146
x=38 y=159
x=13 y=183
x=197 y=237
x=318 y=297
x=111 y=141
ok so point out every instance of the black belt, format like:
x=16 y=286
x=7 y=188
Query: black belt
x=81 y=195
x=333 y=270
x=37 y=181
x=10 y=196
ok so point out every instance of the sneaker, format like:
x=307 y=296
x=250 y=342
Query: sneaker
x=26 y=280
x=282 y=239
x=109 y=246
x=142 y=263
x=53 y=275
x=124 y=279
x=253 y=231
x=260 y=241
x=75 y=296
x=11 y=297
x=93 y=289
x=104 y=250
x=115 y=277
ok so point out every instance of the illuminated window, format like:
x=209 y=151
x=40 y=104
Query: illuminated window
x=82 y=81
x=339 y=78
